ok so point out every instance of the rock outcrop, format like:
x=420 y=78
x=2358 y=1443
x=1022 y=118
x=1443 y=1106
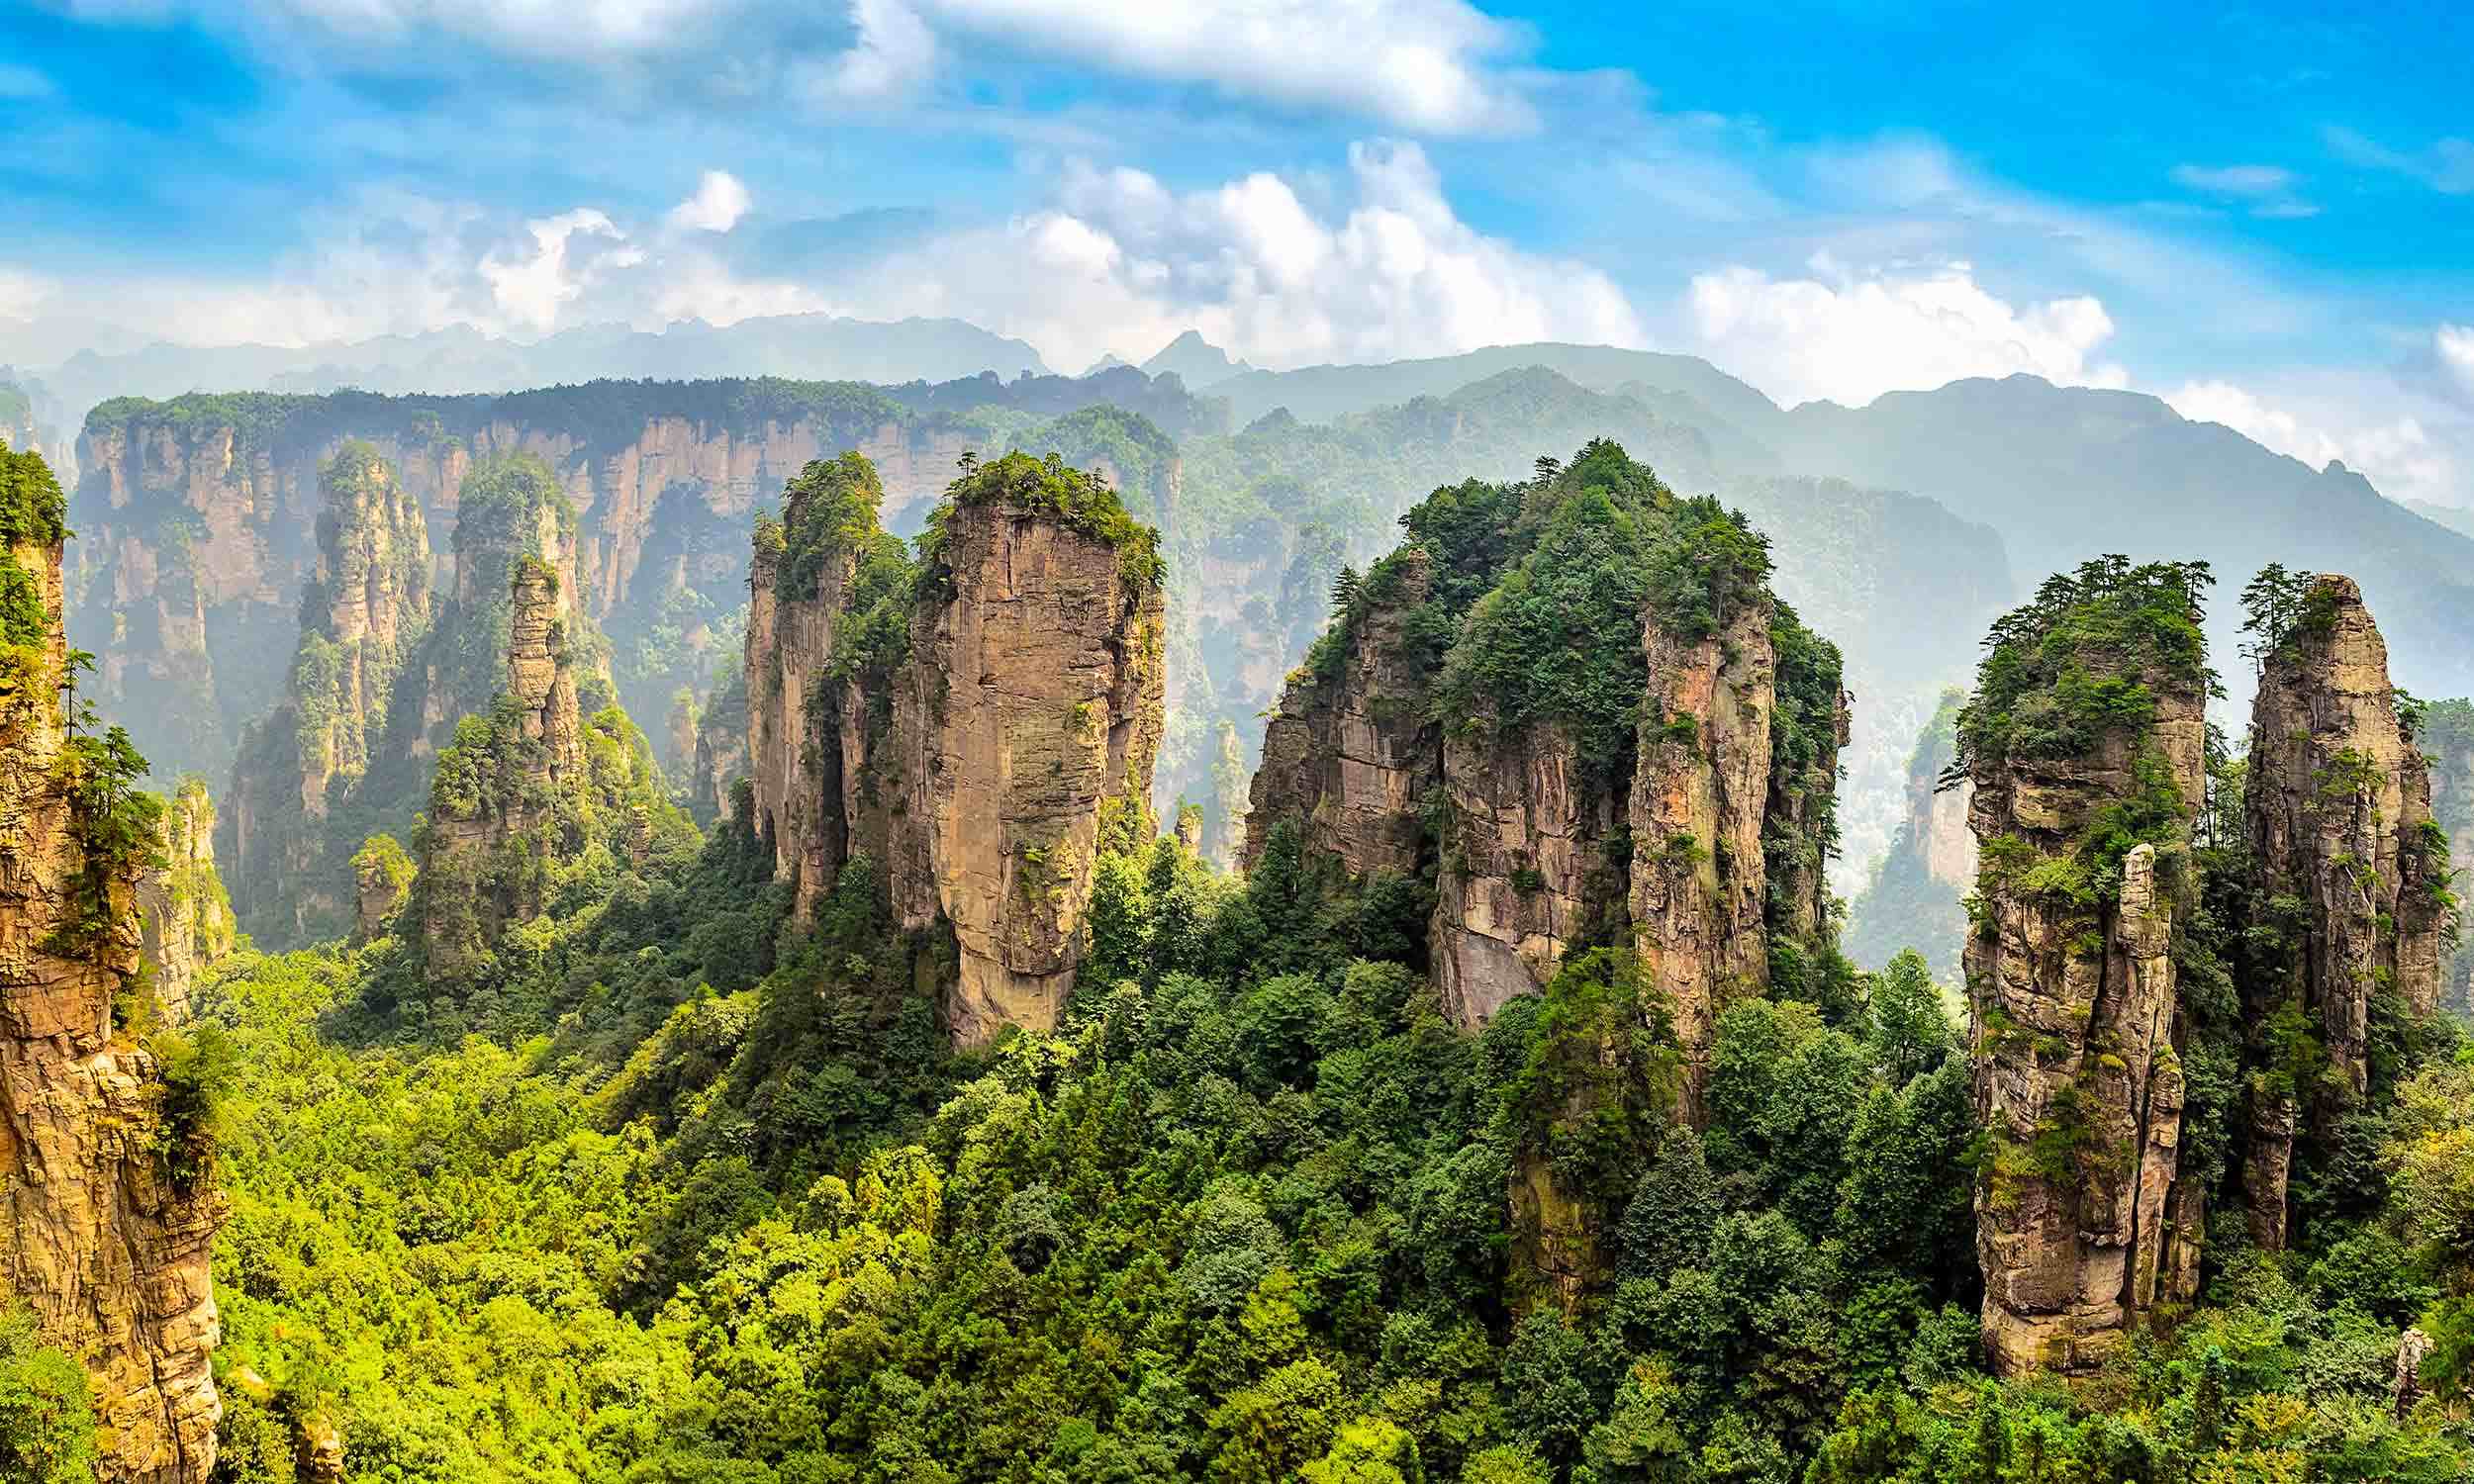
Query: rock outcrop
x=2447 y=734
x=1351 y=751
x=185 y=915
x=508 y=799
x=364 y=610
x=2082 y=1224
x=2338 y=804
x=103 y=1234
x=972 y=726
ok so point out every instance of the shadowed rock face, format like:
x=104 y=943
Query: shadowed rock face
x=97 y=1238
x=1350 y=759
x=978 y=771
x=2081 y=1225
x=2338 y=804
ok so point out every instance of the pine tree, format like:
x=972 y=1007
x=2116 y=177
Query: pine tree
x=1673 y=1212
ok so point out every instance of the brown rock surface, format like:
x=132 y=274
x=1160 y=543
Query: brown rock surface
x=186 y=919
x=1028 y=714
x=1350 y=759
x=96 y=1236
x=2337 y=800
x=2081 y=1225
x=1699 y=796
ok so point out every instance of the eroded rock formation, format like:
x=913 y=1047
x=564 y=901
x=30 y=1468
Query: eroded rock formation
x=2082 y=1224
x=185 y=916
x=509 y=797
x=2338 y=804
x=102 y=1234
x=1349 y=755
x=365 y=609
x=970 y=726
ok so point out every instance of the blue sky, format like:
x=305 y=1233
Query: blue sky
x=2265 y=214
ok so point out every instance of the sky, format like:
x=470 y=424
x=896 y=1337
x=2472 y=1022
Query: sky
x=2262 y=213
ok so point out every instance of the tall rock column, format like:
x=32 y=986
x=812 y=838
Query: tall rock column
x=186 y=914
x=100 y=1234
x=1700 y=794
x=1026 y=719
x=2075 y=742
x=2338 y=802
x=365 y=607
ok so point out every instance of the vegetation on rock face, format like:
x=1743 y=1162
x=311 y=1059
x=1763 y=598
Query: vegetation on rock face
x=1082 y=501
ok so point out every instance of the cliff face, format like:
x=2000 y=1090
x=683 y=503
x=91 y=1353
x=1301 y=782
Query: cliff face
x=364 y=611
x=103 y=1235
x=2338 y=804
x=1350 y=756
x=1026 y=724
x=1914 y=901
x=197 y=514
x=2081 y=1225
x=971 y=726
x=185 y=915
x=2448 y=734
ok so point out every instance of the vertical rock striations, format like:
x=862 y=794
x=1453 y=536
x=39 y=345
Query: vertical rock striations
x=1351 y=748
x=972 y=725
x=2337 y=807
x=1914 y=902
x=105 y=1226
x=364 y=611
x=186 y=916
x=1026 y=721
x=2085 y=742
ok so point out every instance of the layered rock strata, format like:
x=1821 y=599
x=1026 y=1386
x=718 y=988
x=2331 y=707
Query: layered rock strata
x=2081 y=1223
x=971 y=726
x=2338 y=804
x=102 y=1236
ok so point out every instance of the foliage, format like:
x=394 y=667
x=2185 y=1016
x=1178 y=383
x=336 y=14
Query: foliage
x=1082 y=501
x=46 y=1411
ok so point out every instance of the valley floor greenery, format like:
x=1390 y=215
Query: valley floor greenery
x=693 y=1192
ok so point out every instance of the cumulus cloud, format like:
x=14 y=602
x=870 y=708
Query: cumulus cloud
x=1121 y=259
x=531 y=287
x=719 y=203
x=1849 y=336
x=895 y=51
x=2455 y=346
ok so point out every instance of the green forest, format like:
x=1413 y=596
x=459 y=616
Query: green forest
x=678 y=1184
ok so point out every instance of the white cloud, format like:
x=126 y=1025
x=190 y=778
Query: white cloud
x=719 y=203
x=21 y=293
x=895 y=53
x=556 y=29
x=2411 y=448
x=1121 y=259
x=531 y=288
x=1851 y=336
x=2447 y=165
